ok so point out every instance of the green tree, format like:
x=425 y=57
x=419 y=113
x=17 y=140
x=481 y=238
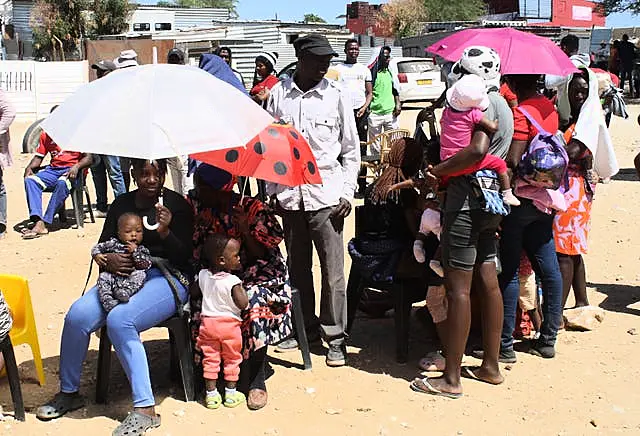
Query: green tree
x=313 y=18
x=111 y=17
x=447 y=10
x=404 y=17
x=223 y=4
x=59 y=25
x=607 y=7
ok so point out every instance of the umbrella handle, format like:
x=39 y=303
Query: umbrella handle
x=145 y=220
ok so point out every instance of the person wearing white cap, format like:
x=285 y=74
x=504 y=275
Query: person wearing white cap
x=126 y=59
x=264 y=78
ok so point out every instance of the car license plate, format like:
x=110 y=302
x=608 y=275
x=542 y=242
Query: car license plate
x=425 y=82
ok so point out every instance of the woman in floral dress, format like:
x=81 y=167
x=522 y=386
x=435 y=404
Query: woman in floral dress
x=591 y=156
x=268 y=319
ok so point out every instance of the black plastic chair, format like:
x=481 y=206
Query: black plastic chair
x=76 y=195
x=402 y=301
x=181 y=358
x=6 y=347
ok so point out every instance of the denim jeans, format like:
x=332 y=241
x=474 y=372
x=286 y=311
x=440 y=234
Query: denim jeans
x=106 y=165
x=47 y=178
x=151 y=305
x=529 y=229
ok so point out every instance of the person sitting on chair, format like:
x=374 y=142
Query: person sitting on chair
x=61 y=175
x=164 y=290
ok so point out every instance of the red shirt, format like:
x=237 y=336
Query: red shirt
x=507 y=93
x=542 y=110
x=59 y=158
x=267 y=83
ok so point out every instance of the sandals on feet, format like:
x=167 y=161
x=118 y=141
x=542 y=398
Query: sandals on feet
x=32 y=234
x=423 y=386
x=234 y=400
x=213 y=401
x=136 y=424
x=59 y=405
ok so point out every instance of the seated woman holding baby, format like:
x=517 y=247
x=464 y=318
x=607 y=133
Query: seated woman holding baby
x=267 y=320
x=143 y=278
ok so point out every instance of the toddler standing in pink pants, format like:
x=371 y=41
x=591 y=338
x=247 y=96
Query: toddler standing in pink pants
x=223 y=300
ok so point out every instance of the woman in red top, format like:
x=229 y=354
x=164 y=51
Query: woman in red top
x=508 y=95
x=264 y=78
x=530 y=229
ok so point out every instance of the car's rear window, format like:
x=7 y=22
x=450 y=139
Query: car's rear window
x=415 y=66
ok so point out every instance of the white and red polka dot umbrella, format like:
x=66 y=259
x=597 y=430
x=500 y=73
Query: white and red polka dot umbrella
x=278 y=154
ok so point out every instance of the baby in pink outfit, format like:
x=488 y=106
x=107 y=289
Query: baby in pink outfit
x=223 y=300
x=466 y=101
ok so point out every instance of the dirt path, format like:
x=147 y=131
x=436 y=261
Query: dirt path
x=592 y=387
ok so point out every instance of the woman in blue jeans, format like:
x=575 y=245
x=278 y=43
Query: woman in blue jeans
x=529 y=228
x=171 y=246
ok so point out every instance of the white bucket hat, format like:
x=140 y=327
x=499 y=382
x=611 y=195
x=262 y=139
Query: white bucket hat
x=127 y=58
x=468 y=93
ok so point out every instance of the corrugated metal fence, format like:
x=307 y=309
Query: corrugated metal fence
x=198 y=17
x=34 y=87
x=21 y=19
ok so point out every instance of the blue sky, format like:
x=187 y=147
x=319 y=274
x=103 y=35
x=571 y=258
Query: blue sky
x=294 y=10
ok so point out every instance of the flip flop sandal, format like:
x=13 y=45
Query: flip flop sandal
x=30 y=234
x=423 y=386
x=467 y=372
x=136 y=424
x=58 y=406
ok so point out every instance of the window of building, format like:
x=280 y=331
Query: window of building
x=163 y=26
x=141 y=27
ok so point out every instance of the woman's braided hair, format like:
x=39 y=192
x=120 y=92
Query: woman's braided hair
x=403 y=162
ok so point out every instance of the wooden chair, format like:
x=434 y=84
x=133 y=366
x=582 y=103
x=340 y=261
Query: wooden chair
x=376 y=162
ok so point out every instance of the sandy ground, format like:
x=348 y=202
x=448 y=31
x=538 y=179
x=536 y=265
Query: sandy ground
x=591 y=387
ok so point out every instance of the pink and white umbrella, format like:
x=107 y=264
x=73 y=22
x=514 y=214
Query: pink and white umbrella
x=520 y=52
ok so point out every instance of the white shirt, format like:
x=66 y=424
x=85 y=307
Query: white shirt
x=323 y=115
x=353 y=77
x=216 y=294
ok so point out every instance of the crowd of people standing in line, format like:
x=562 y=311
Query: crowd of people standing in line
x=230 y=242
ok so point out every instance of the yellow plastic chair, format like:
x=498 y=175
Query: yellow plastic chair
x=16 y=293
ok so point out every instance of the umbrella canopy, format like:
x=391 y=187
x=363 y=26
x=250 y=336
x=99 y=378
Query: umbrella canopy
x=520 y=52
x=279 y=154
x=154 y=112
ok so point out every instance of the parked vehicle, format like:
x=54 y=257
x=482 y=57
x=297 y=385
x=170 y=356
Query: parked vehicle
x=418 y=79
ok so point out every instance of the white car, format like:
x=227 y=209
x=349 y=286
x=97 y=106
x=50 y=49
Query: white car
x=418 y=79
